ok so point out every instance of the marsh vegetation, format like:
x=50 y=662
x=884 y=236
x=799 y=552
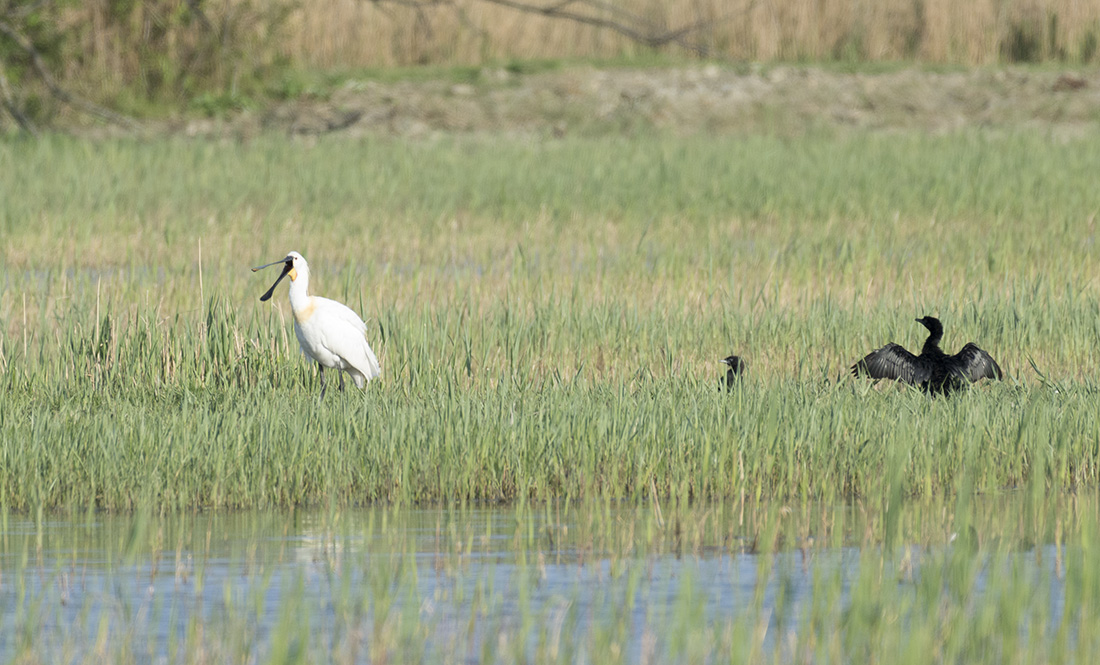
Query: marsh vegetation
x=549 y=315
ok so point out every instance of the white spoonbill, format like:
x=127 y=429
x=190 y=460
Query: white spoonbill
x=329 y=332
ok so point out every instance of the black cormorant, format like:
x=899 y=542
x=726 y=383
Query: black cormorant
x=736 y=368
x=933 y=370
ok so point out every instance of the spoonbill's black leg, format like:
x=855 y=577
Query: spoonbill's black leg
x=341 y=382
x=321 y=371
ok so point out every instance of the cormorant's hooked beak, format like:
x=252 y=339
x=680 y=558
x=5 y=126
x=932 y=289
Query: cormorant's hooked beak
x=288 y=265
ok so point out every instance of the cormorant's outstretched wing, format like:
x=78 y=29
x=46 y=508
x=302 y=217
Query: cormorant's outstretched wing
x=972 y=364
x=891 y=362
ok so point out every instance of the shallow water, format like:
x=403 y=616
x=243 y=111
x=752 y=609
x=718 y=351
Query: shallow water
x=465 y=586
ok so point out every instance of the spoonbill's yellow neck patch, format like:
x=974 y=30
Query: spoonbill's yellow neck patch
x=304 y=314
x=293 y=274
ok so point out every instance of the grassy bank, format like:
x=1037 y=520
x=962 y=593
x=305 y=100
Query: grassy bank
x=548 y=316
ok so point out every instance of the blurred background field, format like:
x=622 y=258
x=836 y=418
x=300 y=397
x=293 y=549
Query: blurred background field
x=156 y=59
x=346 y=31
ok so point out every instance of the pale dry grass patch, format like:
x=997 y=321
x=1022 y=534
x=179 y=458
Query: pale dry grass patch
x=349 y=33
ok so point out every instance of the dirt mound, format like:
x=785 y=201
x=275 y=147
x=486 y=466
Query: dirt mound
x=706 y=98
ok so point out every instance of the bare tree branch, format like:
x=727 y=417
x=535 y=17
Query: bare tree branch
x=419 y=6
x=599 y=14
x=464 y=19
x=650 y=37
x=12 y=107
x=596 y=21
x=60 y=93
x=25 y=10
x=193 y=6
x=617 y=13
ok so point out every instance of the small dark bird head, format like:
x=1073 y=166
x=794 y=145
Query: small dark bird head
x=733 y=374
x=935 y=328
x=735 y=363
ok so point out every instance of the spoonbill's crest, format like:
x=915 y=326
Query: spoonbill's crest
x=329 y=332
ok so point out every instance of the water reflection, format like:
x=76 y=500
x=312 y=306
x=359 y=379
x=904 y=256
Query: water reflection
x=438 y=584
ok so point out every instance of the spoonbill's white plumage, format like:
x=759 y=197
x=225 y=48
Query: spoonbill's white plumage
x=329 y=332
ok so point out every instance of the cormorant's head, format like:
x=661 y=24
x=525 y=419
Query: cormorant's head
x=935 y=328
x=735 y=363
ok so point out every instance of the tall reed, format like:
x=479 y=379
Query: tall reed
x=350 y=33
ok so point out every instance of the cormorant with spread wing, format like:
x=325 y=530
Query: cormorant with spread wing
x=933 y=370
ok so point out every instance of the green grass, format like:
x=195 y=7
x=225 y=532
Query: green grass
x=549 y=316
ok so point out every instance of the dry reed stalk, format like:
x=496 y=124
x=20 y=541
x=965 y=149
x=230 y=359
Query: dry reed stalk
x=156 y=47
x=351 y=33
